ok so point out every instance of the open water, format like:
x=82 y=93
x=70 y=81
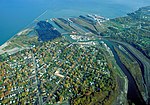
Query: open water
x=17 y=14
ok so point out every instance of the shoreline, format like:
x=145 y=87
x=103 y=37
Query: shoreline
x=43 y=13
x=23 y=29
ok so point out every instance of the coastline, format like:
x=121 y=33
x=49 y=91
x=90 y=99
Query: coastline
x=22 y=30
x=130 y=87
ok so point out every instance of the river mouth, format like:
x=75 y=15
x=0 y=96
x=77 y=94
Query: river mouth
x=133 y=95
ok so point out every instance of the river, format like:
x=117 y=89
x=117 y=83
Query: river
x=134 y=94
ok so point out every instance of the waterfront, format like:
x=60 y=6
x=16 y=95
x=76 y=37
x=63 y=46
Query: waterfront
x=91 y=63
x=17 y=14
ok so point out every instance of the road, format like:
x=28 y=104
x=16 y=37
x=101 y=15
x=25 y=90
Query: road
x=37 y=81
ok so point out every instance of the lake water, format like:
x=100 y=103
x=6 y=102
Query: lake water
x=17 y=14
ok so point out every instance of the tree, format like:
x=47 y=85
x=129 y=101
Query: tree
x=61 y=98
